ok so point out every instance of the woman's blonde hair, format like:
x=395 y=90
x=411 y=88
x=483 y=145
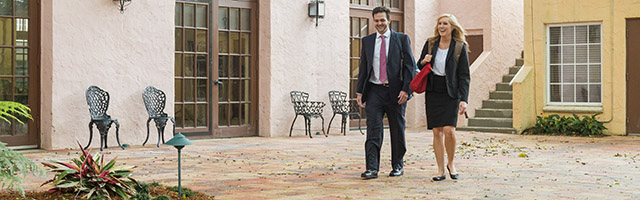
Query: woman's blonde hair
x=458 y=33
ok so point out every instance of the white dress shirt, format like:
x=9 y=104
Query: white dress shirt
x=441 y=62
x=375 y=79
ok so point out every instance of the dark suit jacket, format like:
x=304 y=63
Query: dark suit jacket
x=399 y=45
x=458 y=78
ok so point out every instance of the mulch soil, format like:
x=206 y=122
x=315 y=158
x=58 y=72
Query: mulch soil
x=44 y=195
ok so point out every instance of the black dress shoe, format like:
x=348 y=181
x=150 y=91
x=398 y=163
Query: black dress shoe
x=369 y=174
x=439 y=178
x=396 y=172
x=453 y=176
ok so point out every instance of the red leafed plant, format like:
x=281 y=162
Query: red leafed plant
x=90 y=177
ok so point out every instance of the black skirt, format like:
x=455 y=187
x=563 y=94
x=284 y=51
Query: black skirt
x=442 y=110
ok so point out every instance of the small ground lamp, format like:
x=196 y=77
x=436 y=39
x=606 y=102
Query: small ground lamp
x=179 y=141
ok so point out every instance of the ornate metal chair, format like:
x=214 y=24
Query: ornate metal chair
x=98 y=101
x=340 y=105
x=302 y=106
x=155 y=100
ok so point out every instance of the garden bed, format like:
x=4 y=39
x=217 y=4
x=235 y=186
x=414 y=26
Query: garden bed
x=154 y=191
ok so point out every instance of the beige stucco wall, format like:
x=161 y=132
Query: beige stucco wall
x=306 y=58
x=90 y=43
x=538 y=13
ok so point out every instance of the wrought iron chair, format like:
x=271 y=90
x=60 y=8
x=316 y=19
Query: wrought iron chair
x=155 y=100
x=340 y=105
x=302 y=106
x=98 y=101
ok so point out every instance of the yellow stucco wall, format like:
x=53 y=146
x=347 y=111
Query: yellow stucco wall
x=612 y=15
x=524 y=114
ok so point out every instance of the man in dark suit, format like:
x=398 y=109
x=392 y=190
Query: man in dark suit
x=386 y=69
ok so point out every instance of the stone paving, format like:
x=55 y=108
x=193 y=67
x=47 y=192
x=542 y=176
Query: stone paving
x=491 y=166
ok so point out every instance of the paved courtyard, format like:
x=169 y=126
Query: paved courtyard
x=491 y=166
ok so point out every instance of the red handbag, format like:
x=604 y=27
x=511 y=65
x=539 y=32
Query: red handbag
x=419 y=83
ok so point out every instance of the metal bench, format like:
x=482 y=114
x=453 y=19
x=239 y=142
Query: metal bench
x=302 y=106
x=155 y=100
x=98 y=101
x=340 y=105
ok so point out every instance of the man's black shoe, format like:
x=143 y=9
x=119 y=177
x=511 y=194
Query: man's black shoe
x=396 y=172
x=369 y=174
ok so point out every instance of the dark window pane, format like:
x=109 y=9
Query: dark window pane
x=234 y=42
x=189 y=39
x=223 y=63
x=189 y=90
x=189 y=115
x=555 y=73
x=581 y=54
x=223 y=17
x=234 y=19
x=5 y=8
x=201 y=16
x=22 y=61
x=594 y=34
x=189 y=15
x=178 y=18
x=567 y=54
x=582 y=74
x=244 y=39
x=235 y=114
x=201 y=40
x=223 y=94
x=178 y=39
x=395 y=25
x=5 y=32
x=223 y=115
x=22 y=32
x=568 y=35
x=202 y=90
x=235 y=90
x=188 y=65
x=594 y=74
x=202 y=65
x=568 y=74
x=246 y=95
x=22 y=8
x=223 y=42
x=202 y=114
x=568 y=93
x=179 y=115
x=245 y=19
x=5 y=61
x=582 y=93
x=6 y=87
x=245 y=114
x=235 y=66
x=594 y=53
x=555 y=93
x=245 y=67
x=581 y=34
x=5 y=128
x=178 y=90
x=554 y=35
x=22 y=91
x=554 y=54
x=594 y=93
x=395 y=3
x=21 y=129
x=178 y=65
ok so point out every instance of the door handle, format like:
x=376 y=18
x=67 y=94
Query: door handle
x=217 y=82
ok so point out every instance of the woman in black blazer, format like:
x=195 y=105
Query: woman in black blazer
x=447 y=88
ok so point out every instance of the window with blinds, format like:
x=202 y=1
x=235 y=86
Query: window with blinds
x=574 y=64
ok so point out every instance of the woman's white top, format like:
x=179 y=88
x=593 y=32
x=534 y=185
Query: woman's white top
x=440 y=62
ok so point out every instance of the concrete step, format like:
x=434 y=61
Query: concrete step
x=503 y=87
x=506 y=95
x=487 y=129
x=514 y=69
x=491 y=122
x=519 y=61
x=497 y=104
x=496 y=113
x=507 y=78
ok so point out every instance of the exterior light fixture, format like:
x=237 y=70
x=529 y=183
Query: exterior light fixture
x=316 y=9
x=179 y=141
x=122 y=4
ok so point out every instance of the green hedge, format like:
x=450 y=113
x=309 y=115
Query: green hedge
x=557 y=125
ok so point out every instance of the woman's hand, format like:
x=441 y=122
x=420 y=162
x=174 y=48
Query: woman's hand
x=426 y=59
x=463 y=107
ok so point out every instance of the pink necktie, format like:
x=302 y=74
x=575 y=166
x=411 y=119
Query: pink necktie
x=383 y=60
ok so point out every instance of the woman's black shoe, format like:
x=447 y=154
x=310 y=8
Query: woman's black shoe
x=439 y=178
x=453 y=176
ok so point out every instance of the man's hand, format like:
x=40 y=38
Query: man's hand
x=463 y=107
x=362 y=105
x=426 y=59
x=402 y=97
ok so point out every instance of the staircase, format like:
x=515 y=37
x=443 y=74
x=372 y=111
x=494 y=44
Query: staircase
x=496 y=114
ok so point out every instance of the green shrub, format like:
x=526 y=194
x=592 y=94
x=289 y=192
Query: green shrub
x=90 y=176
x=557 y=125
x=142 y=188
x=162 y=197
x=186 y=192
x=13 y=165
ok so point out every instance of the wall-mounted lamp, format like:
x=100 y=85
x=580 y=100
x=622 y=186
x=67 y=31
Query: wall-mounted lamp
x=316 y=9
x=121 y=4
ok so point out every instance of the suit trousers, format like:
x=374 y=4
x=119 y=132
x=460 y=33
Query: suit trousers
x=379 y=102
